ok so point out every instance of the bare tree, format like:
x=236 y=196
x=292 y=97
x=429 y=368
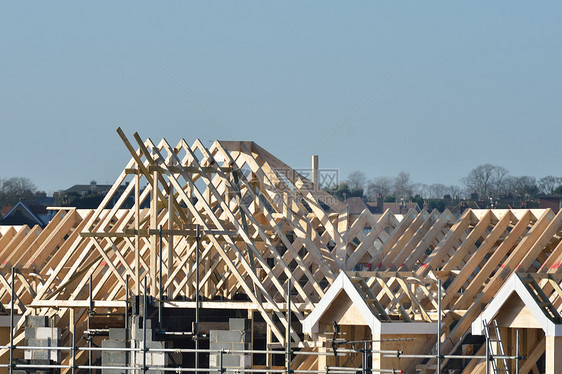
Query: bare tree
x=403 y=186
x=379 y=185
x=548 y=184
x=437 y=190
x=421 y=189
x=357 y=180
x=524 y=185
x=14 y=189
x=499 y=175
x=486 y=180
x=455 y=191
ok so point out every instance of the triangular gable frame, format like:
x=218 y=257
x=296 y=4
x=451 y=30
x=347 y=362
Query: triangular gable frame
x=515 y=285
x=38 y=220
x=341 y=284
x=344 y=284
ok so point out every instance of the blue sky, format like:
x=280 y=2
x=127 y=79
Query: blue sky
x=455 y=84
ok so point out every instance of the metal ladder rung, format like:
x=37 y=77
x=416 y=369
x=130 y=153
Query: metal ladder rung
x=498 y=340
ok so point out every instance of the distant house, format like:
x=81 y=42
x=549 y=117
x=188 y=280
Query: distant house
x=87 y=189
x=357 y=205
x=459 y=209
x=89 y=196
x=553 y=202
x=27 y=212
x=400 y=208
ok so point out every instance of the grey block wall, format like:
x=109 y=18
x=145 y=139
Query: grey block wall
x=152 y=359
x=117 y=339
x=37 y=334
x=237 y=338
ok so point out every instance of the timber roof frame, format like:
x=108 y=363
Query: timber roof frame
x=283 y=232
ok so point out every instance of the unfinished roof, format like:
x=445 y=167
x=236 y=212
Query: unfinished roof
x=534 y=303
x=263 y=224
x=360 y=306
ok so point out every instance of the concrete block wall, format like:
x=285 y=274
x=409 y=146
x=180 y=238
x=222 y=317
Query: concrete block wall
x=117 y=339
x=38 y=334
x=152 y=358
x=236 y=338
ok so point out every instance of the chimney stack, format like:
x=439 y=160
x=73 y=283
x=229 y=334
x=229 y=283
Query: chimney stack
x=315 y=172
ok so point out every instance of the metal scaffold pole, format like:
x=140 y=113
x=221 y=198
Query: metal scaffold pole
x=196 y=327
x=439 y=326
x=144 y=322
x=288 y=338
x=517 y=351
x=160 y=324
x=487 y=354
x=12 y=324
x=127 y=333
x=73 y=342
x=90 y=314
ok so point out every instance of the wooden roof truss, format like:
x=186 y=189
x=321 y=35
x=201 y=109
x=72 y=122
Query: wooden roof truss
x=263 y=224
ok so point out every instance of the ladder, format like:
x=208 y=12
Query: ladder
x=499 y=344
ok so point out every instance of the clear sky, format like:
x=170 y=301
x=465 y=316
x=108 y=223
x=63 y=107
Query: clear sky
x=431 y=88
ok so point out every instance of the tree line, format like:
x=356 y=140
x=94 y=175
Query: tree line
x=15 y=189
x=485 y=182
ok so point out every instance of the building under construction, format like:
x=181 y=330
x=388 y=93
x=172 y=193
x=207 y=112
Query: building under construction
x=225 y=259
